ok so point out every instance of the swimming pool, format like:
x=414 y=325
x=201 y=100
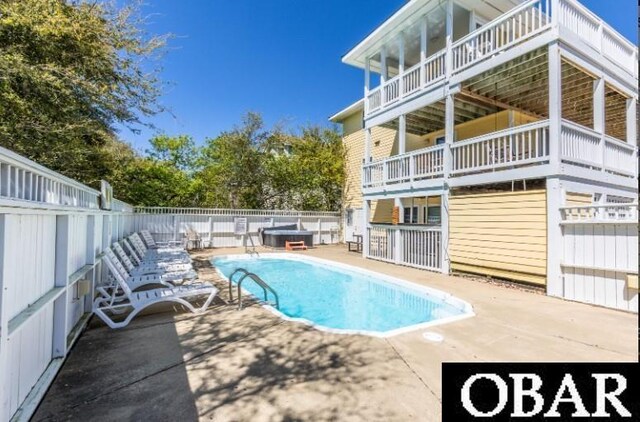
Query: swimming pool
x=342 y=298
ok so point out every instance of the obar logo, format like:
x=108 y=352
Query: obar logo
x=540 y=391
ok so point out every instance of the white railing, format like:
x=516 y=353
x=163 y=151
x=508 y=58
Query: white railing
x=522 y=145
x=435 y=68
x=520 y=24
x=514 y=27
x=583 y=146
x=618 y=213
x=420 y=247
x=620 y=157
x=391 y=90
x=412 y=79
x=580 y=145
x=397 y=169
x=427 y=163
x=374 y=100
x=597 y=33
x=579 y=20
x=373 y=174
x=382 y=243
x=233 y=212
x=24 y=180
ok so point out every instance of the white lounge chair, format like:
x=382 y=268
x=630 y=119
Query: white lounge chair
x=134 y=282
x=136 y=247
x=137 y=301
x=169 y=244
x=168 y=272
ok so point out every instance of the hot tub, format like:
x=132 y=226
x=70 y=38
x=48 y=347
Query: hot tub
x=277 y=238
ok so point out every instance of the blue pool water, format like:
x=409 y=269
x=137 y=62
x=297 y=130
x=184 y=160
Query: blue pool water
x=339 y=298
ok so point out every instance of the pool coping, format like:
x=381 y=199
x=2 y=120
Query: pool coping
x=448 y=298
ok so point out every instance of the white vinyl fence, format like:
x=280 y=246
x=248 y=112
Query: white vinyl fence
x=216 y=226
x=417 y=247
x=51 y=233
x=600 y=257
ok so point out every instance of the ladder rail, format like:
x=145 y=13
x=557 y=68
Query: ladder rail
x=260 y=282
x=238 y=270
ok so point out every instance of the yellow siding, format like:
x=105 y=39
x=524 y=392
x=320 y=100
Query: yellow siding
x=632 y=281
x=500 y=234
x=383 y=141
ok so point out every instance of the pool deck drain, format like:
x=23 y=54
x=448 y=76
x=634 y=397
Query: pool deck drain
x=230 y=365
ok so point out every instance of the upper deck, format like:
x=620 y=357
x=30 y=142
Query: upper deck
x=421 y=55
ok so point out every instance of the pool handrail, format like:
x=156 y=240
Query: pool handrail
x=260 y=282
x=242 y=270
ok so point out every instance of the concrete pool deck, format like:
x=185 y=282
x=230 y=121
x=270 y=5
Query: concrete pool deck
x=230 y=365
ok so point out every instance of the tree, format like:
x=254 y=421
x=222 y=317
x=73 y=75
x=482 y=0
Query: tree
x=70 y=71
x=232 y=166
x=178 y=151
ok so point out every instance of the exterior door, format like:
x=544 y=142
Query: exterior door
x=352 y=223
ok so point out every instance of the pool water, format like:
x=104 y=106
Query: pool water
x=343 y=298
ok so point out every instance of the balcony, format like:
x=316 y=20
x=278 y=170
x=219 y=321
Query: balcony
x=526 y=22
x=517 y=153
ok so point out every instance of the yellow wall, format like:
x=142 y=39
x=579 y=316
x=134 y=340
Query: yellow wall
x=500 y=234
x=481 y=126
x=632 y=281
x=383 y=141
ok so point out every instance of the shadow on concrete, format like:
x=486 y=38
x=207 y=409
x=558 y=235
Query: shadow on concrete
x=230 y=365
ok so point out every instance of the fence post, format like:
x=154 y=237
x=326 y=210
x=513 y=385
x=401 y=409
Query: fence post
x=63 y=243
x=211 y=231
x=554 y=237
x=4 y=319
x=319 y=231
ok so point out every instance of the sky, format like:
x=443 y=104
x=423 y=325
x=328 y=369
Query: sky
x=281 y=58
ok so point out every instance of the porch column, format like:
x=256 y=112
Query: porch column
x=555 y=199
x=449 y=38
x=366 y=211
x=444 y=231
x=401 y=64
x=383 y=65
x=367 y=145
x=632 y=121
x=397 y=253
x=367 y=83
x=423 y=50
x=599 y=114
x=449 y=134
x=632 y=126
x=555 y=105
x=448 y=166
x=402 y=134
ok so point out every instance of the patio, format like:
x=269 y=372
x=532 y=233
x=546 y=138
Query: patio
x=239 y=365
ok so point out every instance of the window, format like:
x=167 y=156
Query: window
x=349 y=218
x=433 y=215
x=407 y=215
x=440 y=140
x=410 y=215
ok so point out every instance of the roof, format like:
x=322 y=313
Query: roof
x=348 y=111
x=409 y=14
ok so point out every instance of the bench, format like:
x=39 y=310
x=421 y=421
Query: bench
x=295 y=246
x=357 y=242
